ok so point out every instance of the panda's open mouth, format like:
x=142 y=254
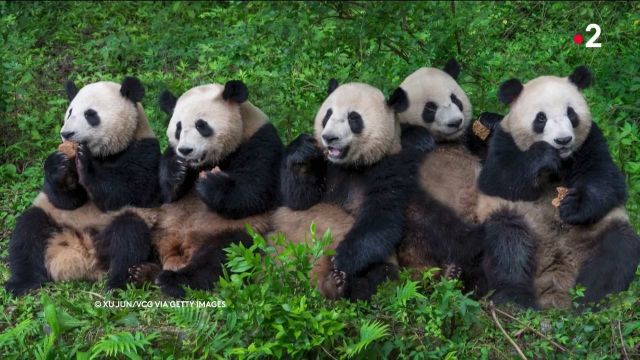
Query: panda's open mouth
x=334 y=153
x=194 y=162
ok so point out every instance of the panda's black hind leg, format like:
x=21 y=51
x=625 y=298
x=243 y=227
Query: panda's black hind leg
x=612 y=266
x=26 y=251
x=204 y=268
x=126 y=242
x=365 y=286
x=509 y=259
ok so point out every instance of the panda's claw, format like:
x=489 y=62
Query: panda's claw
x=452 y=271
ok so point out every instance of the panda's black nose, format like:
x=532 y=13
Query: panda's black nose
x=329 y=138
x=67 y=134
x=563 y=140
x=185 y=150
x=455 y=123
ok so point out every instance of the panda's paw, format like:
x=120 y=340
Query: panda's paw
x=19 y=288
x=176 y=171
x=302 y=151
x=452 y=271
x=572 y=209
x=546 y=158
x=333 y=285
x=83 y=164
x=169 y=282
x=56 y=167
x=144 y=273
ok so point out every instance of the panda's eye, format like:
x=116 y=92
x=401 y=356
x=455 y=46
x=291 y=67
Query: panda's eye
x=355 y=122
x=92 y=117
x=69 y=115
x=455 y=100
x=178 y=130
x=573 y=117
x=429 y=112
x=539 y=122
x=203 y=128
x=326 y=118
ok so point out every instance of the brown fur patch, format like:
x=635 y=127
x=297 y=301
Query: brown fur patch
x=449 y=174
x=70 y=255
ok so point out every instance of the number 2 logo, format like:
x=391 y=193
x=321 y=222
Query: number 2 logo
x=592 y=42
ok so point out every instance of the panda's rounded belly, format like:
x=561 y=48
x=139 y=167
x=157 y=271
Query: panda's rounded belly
x=449 y=175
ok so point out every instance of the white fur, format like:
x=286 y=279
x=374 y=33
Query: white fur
x=119 y=118
x=434 y=85
x=231 y=123
x=551 y=95
x=380 y=135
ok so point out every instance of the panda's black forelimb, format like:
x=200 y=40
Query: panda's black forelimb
x=126 y=242
x=513 y=174
x=363 y=287
x=61 y=182
x=204 y=268
x=417 y=137
x=26 y=251
x=248 y=182
x=127 y=178
x=302 y=174
x=595 y=183
x=612 y=266
x=175 y=176
x=509 y=259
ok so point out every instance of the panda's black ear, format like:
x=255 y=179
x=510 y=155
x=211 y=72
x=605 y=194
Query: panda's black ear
x=452 y=68
x=132 y=89
x=71 y=90
x=167 y=102
x=509 y=91
x=581 y=76
x=398 y=100
x=333 y=84
x=236 y=91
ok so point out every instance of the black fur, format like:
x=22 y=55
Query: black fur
x=127 y=178
x=429 y=112
x=236 y=91
x=167 y=102
x=333 y=84
x=71 y=90
x=92 y=117
x=124 y=243
x=303 y=172
x=612 y=266
x=509 y=260
x=452 y=68
x=176 y=178
x=417 y=137
x=249 y=182
x=61 y=182
x=398 y=100
x=595 y=183
x=26 y=250
x=513 y=174
x=132 y=89
x=476 y=145
x=364 y=287
x=581 y=77
x=509 y=91
x=205 y=266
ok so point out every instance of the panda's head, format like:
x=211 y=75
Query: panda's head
x=437 y=102
x=206 y=122
x=549 y=109
x=104 y=115
x=356 y=125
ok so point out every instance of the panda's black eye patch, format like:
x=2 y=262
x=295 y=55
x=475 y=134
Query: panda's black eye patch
x=573 y=117
x=326 y=118
x=178 y=130
x=355 y=122
x=539 y=122
x=455 y=100
x=203 y=128
x=92 y=117
x=69 y=115
x=429 y=112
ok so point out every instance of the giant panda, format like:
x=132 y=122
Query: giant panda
x=219 y=173
x=535 y=251
x=441 y=228
x=94 y=213
x=353 y=177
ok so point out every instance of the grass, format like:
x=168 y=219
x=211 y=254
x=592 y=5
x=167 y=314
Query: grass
x=286 y=52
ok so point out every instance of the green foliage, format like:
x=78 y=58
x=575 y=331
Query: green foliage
x=286 y=53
